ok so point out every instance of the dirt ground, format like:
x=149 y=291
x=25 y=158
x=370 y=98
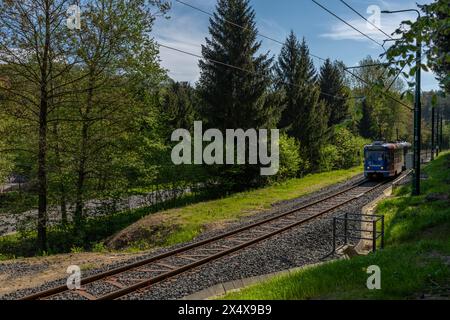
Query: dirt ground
x=31 y=272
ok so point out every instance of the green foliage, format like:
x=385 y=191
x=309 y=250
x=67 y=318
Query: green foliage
x=305 y=115
x=380 y=117
x=334 y=92
x=178 y=105
x=234 y=99
x=413 y=263
x=329 y=156
x=291 y=162
x=70 y=238
x=6 y=161
x=17 y=201
x=432 y=29
x=345 y=151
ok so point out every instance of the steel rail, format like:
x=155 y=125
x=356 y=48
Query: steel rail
x=197 y=245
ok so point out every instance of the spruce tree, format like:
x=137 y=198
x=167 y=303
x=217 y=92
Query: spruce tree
x=304 y=115
x=234 y=98
x=333 y=92
x=307 y=69
x=178 y=105
x=236 y=95
x=289 y=78
x=366 y=124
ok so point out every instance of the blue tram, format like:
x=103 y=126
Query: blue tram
x=382 y=160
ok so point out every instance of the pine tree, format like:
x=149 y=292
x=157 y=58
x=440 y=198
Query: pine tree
x=234 y=98
x=366 y=123
x=308 y=71
x=237 y=97
x=333 y=92
x=304 y=114
x=178 y=105
x=288 y=76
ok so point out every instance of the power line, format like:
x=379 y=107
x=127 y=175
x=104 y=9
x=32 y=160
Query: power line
x=370 y=38
x=367 y=20
x=384 y=92
x=348 y=24
x=280 y=42
x=241 y=69
x=239 y=26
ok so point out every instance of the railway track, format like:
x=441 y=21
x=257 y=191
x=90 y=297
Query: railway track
x=121 y=281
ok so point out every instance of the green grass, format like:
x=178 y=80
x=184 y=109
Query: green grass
x=188 y=222
x=416 y=259
x=186 y=218
x=65 y=239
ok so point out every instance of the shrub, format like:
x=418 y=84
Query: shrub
x=329 y=157
x=292 y=164
x=344 y=151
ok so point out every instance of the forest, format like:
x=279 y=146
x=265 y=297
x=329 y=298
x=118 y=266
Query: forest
x=87 y=115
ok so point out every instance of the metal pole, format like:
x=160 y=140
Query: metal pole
x=441 y=141
x=334 y=234
x=345 y=228
x=374 y=235
x=433 y=132
x=417 y=122
x=438 y=148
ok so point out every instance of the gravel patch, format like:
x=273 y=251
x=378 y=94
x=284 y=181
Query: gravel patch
x=297 y=247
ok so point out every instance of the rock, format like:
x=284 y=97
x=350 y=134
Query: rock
x=349 y=251
x=437 y=197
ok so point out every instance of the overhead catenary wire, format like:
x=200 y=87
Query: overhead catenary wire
x=385 y=92
x=367 y=20
x=239 y=68
x=348 y=24
x=239 y=26
x=282 y=43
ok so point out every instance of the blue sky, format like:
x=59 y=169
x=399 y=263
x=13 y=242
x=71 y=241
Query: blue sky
x=326 y=36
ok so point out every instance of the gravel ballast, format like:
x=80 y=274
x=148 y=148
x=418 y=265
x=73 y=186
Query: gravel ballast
x=299 y=246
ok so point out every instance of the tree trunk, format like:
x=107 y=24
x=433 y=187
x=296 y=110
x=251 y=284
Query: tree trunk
x=78 y=216
x=42 y=153
x=42 y=174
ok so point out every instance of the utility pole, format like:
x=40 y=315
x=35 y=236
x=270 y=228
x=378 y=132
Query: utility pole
x=417 y=121
x=441 y=141
x=437 y=135
x=417 y=110
x=433 y=132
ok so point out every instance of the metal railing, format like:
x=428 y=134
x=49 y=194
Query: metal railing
x=359 y=227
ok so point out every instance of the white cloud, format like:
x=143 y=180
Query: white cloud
x=388 y=22
x=341 y=31
x=183 y=32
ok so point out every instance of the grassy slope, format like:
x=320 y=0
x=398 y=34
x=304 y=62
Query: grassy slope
x=416 y=260
x=177 y=225
x=189 y=221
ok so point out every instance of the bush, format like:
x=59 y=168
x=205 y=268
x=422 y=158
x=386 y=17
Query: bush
x=344 y=151
x=291 y=162
x=329 y=157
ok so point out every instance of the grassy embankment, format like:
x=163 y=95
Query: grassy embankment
x=181 y=223
x=416 y=260
x=188 y=222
